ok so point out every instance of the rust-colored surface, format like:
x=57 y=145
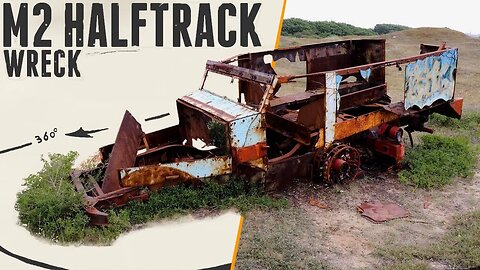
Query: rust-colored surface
x=288 y=128
x=280 y=174
x=93 y=202
x=390 y=149
x=314 y=202
x=249 y=153
x=340 y=164
x=349 y=127
x=453 y=108
x=380 y=212
x=158 y=176
x=457 y=106
x=124 y=151
x=362 y=97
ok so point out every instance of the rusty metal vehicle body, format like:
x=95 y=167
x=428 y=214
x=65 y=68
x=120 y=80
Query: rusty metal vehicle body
x=275 y=138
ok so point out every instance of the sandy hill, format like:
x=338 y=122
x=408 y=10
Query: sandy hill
x=406 y=43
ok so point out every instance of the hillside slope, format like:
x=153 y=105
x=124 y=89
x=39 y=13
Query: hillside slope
x=406 y=43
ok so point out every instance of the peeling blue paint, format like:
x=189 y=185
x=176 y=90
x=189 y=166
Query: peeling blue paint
x=247 y=131
x=366 y=73
x=339 y=79
x=430 y=79
x=214 y=103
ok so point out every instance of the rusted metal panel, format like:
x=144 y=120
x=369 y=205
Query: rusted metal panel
x=296 y=98
x=371 y=51
x=312 y=115
x=240 y=72
x=249 y=153
x=347 y=128
x=330 y=57
x=288 y=128
x=380 y=212
x=199 y=168
x=167 y=136
x=431 y=79
x=193 y=122
x=453 y=108
x=362 y=97
x=124 y=151
x=426 y=48
x=154 y=175
x=282 y=173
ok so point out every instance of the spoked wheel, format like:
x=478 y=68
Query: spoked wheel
x=340 y=164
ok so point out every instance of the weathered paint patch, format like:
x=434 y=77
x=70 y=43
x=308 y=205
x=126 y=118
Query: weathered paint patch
x=337 y=85
x=219 y=106
x=331 y=100
x=430 y=79
x=366 y=73
x=247 y=131
x=199 y=168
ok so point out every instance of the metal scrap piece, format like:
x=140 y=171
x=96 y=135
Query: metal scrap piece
x=378 y=212
x=124 y=151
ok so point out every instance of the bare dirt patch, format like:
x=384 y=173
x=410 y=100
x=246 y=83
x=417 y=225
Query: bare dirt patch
x=309 y=237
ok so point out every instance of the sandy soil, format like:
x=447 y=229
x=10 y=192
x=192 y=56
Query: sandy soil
x=338 y=236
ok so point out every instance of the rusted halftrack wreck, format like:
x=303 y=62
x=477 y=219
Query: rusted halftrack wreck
x=275 y=138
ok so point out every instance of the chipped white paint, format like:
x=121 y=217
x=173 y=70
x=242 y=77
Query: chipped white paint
x=332 y=101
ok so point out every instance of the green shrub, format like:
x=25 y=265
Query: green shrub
x=385 y=28
x=437 y=160
x=49 y=205
x=320 y=29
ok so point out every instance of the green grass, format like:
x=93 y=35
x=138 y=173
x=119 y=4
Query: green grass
x=50 y=207
x=407 y=266
x=437 y=160
x=470 y=120
x=459 y=248
x=468 y=125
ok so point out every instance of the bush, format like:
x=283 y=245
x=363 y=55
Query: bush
x=437 y=160
x=320 y=29
x=49 y=206
x=385 y=28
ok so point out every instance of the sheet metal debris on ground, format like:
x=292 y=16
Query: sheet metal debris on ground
x=378 y=212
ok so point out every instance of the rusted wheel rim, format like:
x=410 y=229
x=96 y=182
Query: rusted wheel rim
x=338 y=165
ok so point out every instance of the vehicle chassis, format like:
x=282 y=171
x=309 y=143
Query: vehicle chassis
x=274 y=139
